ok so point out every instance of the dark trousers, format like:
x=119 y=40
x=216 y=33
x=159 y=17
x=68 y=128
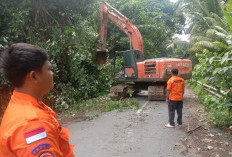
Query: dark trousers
x=172 y=106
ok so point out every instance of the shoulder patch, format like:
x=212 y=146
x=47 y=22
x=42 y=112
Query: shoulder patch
x=35 y=135
x=46 y=154
x=40 y=147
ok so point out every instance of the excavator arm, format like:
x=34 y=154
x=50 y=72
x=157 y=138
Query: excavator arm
x=108 y=12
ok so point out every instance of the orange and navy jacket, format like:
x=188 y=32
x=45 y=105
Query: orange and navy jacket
x=29 y=128
x=176 y=87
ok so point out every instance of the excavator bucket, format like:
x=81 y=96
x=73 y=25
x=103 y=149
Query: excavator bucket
x=100 y=57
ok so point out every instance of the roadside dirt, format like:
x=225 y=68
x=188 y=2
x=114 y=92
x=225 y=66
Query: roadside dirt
x=208 y=140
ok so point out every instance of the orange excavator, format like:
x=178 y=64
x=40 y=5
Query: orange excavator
x=131 y=70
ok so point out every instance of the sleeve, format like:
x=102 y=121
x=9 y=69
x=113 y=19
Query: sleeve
x=169 y=85
x=66 y=148
x=36 y=139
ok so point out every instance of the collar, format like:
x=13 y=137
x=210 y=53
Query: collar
x=26 y=97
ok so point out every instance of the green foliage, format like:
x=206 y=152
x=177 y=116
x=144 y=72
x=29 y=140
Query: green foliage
x=219 y=114
x=212 y=68
x=90 y=117
x=178 y=49
x=216 y=70
x=221 y=117
x=2 y=80
x=68 y=30
x=122 y=105
x=103 y=103
x=210 y=28
x=69 y=35
x=204 y=18
x=156 y=20
x=130 y=92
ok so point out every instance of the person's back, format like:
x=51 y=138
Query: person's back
x=176 y=88
x=29 y=127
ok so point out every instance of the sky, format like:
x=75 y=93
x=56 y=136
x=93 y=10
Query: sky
x=174 y=1
x=184 y=37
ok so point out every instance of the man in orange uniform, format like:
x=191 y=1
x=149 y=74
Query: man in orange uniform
x=175 y=92
x=29 y=128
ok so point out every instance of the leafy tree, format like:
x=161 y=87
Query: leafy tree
x=156 y=20
x=210 y=29
x=68 y=29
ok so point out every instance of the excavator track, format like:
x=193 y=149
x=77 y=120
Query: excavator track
x=156 y=93
x=119 y=91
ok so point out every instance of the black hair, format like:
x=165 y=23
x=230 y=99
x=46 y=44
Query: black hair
x=19 y=59
x=174 y=71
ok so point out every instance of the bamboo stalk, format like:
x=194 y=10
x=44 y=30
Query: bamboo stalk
x=212 y=90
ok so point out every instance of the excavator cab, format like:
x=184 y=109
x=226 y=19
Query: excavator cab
x=125 y=67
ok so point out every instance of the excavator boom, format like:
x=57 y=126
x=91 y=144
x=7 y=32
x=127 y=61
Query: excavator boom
x=108 y=12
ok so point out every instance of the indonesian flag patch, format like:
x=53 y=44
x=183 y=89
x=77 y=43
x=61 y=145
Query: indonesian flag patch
x=35 y=135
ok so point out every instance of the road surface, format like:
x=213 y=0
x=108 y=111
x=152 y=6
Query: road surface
x=131 y=133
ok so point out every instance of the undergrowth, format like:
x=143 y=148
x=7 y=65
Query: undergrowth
x=101 y=104
x=219 y=114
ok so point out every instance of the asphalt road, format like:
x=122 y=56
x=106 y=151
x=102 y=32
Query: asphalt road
x=132 y=133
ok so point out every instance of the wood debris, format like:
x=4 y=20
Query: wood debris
x=207 y=140
x=210 y=147
x=211 y=135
